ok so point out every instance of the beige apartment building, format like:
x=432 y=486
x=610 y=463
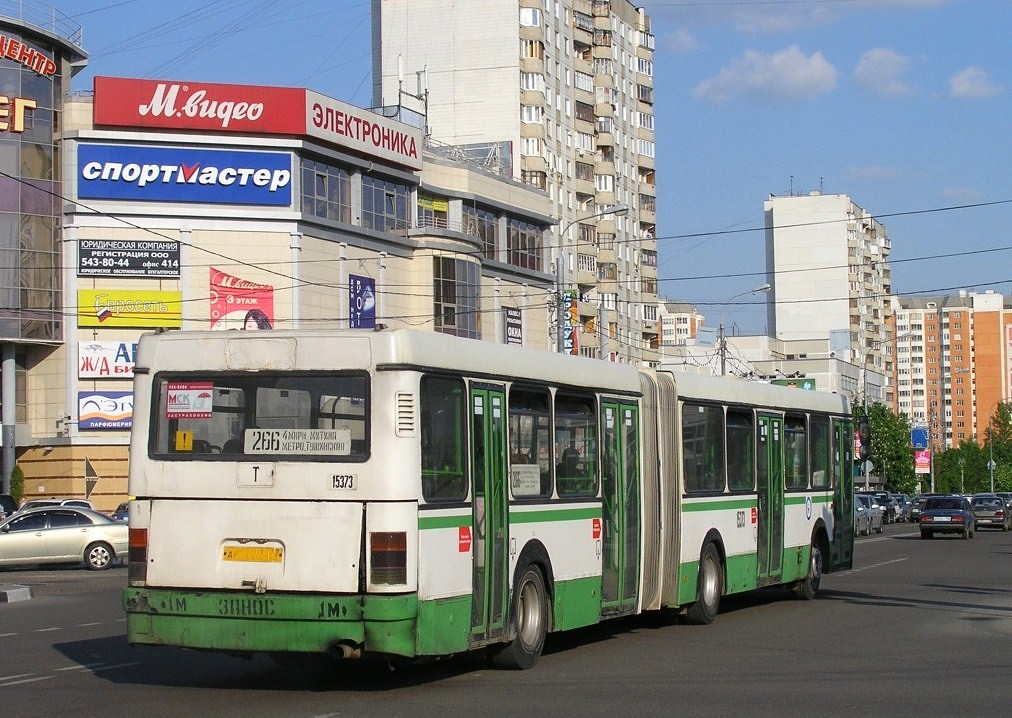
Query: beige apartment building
x=558 y=94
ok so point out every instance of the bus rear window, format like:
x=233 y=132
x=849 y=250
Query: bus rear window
x=304 y=417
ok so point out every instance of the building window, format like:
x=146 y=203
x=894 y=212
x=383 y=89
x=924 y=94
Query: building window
x=456 y=285
x=384 y=204
x=432 y=211
x=524 y=244
x=481 y=223
x=326 y=191
x=530 y=17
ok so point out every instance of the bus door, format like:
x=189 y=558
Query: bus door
x=841 y=553
x=489 y=511
x=770 y=530
x=620 y=489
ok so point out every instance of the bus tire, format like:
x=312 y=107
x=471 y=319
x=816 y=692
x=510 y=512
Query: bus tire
x=529 y=622
x=98 y=556
x=807 y=588
x=708 y=588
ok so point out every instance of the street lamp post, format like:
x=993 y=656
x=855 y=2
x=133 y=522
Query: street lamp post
x=722 y=336
x=560 y=277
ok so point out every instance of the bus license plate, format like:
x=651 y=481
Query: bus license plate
x=253 y=554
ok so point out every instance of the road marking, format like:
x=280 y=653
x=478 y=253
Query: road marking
x=26 y=681
x=118 y=665
x=46 y=630
x=876 y=565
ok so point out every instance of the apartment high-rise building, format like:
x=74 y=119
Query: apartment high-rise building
x=827 y=260
x=952 y=354
x=567 y=85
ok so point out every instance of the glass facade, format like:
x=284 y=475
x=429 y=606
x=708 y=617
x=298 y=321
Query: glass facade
x=30 y=190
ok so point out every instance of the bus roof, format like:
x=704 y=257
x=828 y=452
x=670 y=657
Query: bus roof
x=322 y=349
x=741 y=391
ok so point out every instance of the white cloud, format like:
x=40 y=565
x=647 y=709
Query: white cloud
x=962 y=195
x=973 y=83
x=680 y=42
x=880 y=71
x=787 y=74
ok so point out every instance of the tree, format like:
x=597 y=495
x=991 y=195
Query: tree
x=891 y=453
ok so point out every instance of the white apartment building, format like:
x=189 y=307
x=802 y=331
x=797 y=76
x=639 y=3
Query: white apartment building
x=828 y=262
x=567 y=87
x=678 y=323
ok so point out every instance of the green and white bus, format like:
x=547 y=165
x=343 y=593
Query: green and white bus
x=398 y=494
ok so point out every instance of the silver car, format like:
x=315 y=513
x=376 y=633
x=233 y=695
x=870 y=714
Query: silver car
x=62 y=534
x=874 y=512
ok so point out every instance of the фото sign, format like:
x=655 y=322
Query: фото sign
x=127 y=258
x=129 y=308
x=105 y=409
x=184 y=174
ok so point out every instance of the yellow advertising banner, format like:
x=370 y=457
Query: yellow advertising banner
x=129 y=308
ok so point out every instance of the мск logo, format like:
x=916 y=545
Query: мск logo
x=184 y=174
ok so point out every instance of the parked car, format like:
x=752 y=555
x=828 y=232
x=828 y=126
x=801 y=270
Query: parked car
x=903 y=507
x=122 y=512
x=873 y=510
x=991 y=511
x=946 y=514
x=40 y=503
x=862 y=518
x=62 y=534
x=7 y=505
x=888 y=504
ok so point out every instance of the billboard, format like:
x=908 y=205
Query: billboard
x=127 y=258
x=129 y=308
x=238 y=303
x=216 y=107
x=105 y=360
x=207 y=106
x=201 y=175
x=362 y=302
x=105 y=409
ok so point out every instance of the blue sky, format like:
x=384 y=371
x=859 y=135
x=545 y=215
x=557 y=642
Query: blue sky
x=905 y=105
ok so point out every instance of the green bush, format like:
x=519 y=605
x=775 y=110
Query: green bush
x=17 y=483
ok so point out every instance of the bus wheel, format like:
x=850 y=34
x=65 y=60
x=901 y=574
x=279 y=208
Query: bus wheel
x=711 y=582
x=98 y=556
x=807 y=587
x=530 y=623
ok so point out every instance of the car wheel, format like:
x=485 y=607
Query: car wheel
x=711 y=584
x=878 y=530
x=925 y=534
x=98 y=556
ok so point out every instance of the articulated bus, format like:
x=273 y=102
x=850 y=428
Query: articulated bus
x=400 y=494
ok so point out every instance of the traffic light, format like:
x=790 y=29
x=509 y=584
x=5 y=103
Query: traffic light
x=864 y=434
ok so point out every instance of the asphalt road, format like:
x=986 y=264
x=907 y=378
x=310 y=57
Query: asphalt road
x=918 y=628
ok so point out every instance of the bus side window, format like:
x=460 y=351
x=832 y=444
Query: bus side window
x=443 y=444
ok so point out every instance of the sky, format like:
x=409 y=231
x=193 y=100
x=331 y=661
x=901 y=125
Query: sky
x=904 y=105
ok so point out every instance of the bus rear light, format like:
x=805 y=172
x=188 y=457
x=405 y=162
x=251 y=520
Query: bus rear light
x=388 y=558
x=137 y=562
